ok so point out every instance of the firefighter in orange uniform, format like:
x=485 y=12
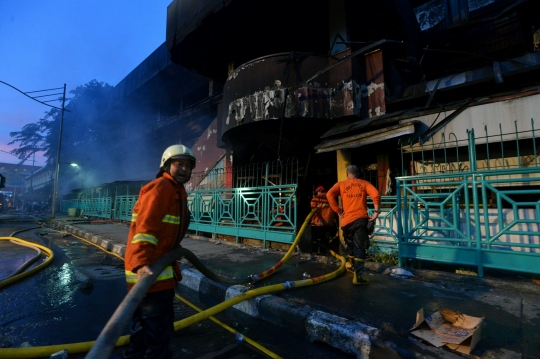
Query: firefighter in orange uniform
x=160 y=221
x=324 y=221
x=354 y=217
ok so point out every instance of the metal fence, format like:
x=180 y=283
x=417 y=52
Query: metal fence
x=105 y=201
x=504 y=150
x=262 y=204
x=468 y=211
x=265 y=174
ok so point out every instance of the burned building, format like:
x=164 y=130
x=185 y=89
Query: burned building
x=400 y=88
x=307 y=77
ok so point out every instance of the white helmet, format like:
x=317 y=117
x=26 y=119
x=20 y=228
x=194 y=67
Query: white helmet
x=177 y=151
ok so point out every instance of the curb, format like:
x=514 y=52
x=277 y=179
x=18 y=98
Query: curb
x=341 y=333
x=106 y=243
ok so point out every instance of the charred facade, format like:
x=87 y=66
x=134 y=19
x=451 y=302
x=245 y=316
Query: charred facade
x=307 y=77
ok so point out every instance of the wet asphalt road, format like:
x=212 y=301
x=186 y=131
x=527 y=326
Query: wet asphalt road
x=66 y=302
x=73 y=298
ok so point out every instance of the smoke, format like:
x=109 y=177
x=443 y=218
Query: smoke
x=125 y=141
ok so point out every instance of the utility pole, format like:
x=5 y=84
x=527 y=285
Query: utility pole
x=27 y=94
x=57 y=167
x=32 y=179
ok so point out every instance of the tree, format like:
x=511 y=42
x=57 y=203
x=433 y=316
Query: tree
x=31 y=139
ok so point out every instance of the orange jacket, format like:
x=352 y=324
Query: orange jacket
x=325 y=216
x=160 y=220
x=353 y=195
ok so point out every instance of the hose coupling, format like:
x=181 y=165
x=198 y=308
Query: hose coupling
x=288 y=285
x=254 y=278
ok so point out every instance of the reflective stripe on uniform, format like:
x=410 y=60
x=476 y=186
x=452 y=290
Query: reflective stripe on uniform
x=131 y=277
x=171 y=219
x=142 y=237
x=134 y=217
x=167 y=273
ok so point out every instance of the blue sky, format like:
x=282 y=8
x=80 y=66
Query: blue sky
x=45 y=44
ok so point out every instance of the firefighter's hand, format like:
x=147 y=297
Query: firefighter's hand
x=143 y=270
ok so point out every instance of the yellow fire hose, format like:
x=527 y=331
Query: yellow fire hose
x=289 y=252
x=103 y=346
x=37 y=268
x=259 y=291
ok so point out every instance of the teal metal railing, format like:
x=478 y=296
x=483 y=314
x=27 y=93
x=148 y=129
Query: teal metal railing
x=261 y=204
x=93 y=207
x=70 y=203
x=264 y=211
x=97 y=207
x=482 y=213
x=123 y=207
x=114 y=201
x=385 y=234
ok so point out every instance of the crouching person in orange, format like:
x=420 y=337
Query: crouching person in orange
x=354 y=217
x=324 y=221
x=160 y=221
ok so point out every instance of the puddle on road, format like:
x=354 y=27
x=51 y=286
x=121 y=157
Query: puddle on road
x=62 y=303
x=52 y=307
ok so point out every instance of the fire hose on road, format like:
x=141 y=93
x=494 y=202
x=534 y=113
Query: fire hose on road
x=19 y=273
x=110 y=335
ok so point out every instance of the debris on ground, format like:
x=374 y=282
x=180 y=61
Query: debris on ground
x=398 y=273
x=458 y=331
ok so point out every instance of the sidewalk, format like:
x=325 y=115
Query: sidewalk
x=371 y=320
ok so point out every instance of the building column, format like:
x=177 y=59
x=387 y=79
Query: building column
x=343 y=160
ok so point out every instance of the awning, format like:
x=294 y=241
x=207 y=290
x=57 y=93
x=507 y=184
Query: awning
x=366 y=138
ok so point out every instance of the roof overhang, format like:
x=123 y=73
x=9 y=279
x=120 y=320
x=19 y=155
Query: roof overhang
x=367 y=138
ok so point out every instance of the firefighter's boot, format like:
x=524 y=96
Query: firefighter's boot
x=350 y=264
x=358 y=277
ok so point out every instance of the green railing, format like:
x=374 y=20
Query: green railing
x=264 y=213
x=123 y=207
x=67 y=204
x=256 y=201
x=97 y=207
x=92 y=207
x=488 y=218
x=385 y=234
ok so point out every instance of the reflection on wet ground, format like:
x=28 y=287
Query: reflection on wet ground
x=62 y=303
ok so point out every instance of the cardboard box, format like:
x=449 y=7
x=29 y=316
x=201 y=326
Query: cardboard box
x=457 y=331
